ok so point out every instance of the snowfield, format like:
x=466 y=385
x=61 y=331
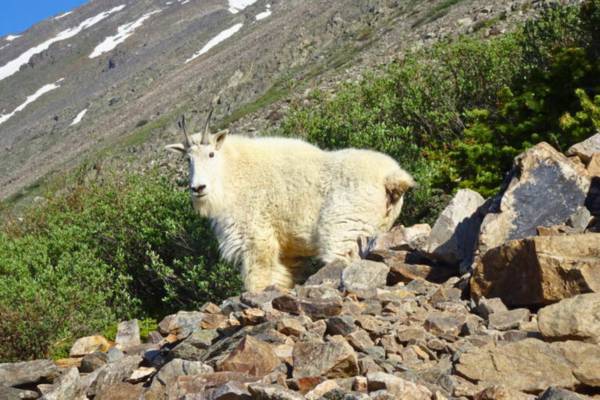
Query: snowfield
x=226 y=34
x=236 y=6
x=264 y=14
x=10 y=38
x=13 y=66
x=63 y=15
x=79 y=117
x=123 y=32
x=40 y=92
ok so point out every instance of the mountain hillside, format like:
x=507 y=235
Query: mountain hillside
x=116 y=72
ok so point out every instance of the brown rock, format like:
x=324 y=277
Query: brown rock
x=442 y=323
x=181 y=324
x=539 y=270
x=574 y=318
x=360 y=340
x=89 y=345
x=252 y=316
x=321 y=309
x=538 y=364
x=290 y=326
x=199 y=384
x=334 y=359
x=398 y=387
x=586 y=149
x=502 y=393
x=593 y=167
x=252 y=357
x=321 y=389
x=404 y=272
x=121 y=391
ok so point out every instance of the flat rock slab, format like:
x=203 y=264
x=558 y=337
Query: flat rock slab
x=545 y=190
x=540 y=270
x=574 y=318
x=181 y=324
x=252 y=357
x=334 y=359
x=531 y=365
x=364 y=275
x=13 y=374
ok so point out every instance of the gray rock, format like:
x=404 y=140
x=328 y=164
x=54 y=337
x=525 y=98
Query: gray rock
x=443 y=323
x=21 y=373
x=178 y=367
x=314 y=308
x=364 y=275
x=485 y=307
x=128 y=334
x=113 y=373
x=181 y=324
x=520 y=208
x=272 y=392
x=330 y=275
x=231 y=391
x=580 y=220
x=114 y=354
x=67 y=387
x=398 y=238
x=93 y=361
x=586 y=149
x=505 y=320
x=341 y=325
x=9 y=393
x=453 y=238
x=556 y=393
x=575 y=318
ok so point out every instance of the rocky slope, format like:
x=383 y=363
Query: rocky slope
x=115 y=73
x=499 y=300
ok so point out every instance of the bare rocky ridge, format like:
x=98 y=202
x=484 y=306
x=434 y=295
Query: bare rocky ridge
x=139 y=86
x=522 y=323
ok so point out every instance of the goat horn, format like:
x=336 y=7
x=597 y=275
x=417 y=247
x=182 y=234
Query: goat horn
x=206 y=132
x=181 y=124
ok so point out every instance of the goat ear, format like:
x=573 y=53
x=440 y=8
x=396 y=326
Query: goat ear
x=219 y=138
x=176 y=148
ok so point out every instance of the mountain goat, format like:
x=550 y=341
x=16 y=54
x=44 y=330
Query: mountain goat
x=275 y=201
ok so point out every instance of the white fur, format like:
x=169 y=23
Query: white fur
x=276 y=201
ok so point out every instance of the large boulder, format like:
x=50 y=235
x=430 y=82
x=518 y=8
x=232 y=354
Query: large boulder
x=128 y=334
x=89 y=345
x=453 y=238
x=574 y=318
x=545 y=189
x=531 y=365
x=13 y=374
x=539 y=270
x=586 y=149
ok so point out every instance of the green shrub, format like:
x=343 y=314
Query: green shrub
x=100 y=251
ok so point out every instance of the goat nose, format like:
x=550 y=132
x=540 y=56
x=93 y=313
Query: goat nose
x=198 y=188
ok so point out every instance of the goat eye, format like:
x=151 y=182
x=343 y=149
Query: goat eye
x=211 y=154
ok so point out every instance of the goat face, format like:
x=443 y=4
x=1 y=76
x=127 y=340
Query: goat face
x=205 y=158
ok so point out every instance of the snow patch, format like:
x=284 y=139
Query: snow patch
x=5 y=45
x=63 y=15
x=265 y=14
x=185 y=2
x=40 y=92
x=236 y=6
x=168 y=3
x=226 y=34
x=79 y=117
x=123 y=32
x=10 y=38
x=13 y=66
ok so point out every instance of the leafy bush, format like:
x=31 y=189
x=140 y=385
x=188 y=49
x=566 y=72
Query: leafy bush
x=456 y=115
x=103 y=250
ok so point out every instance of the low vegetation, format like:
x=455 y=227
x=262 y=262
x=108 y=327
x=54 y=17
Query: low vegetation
x=106 y=248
